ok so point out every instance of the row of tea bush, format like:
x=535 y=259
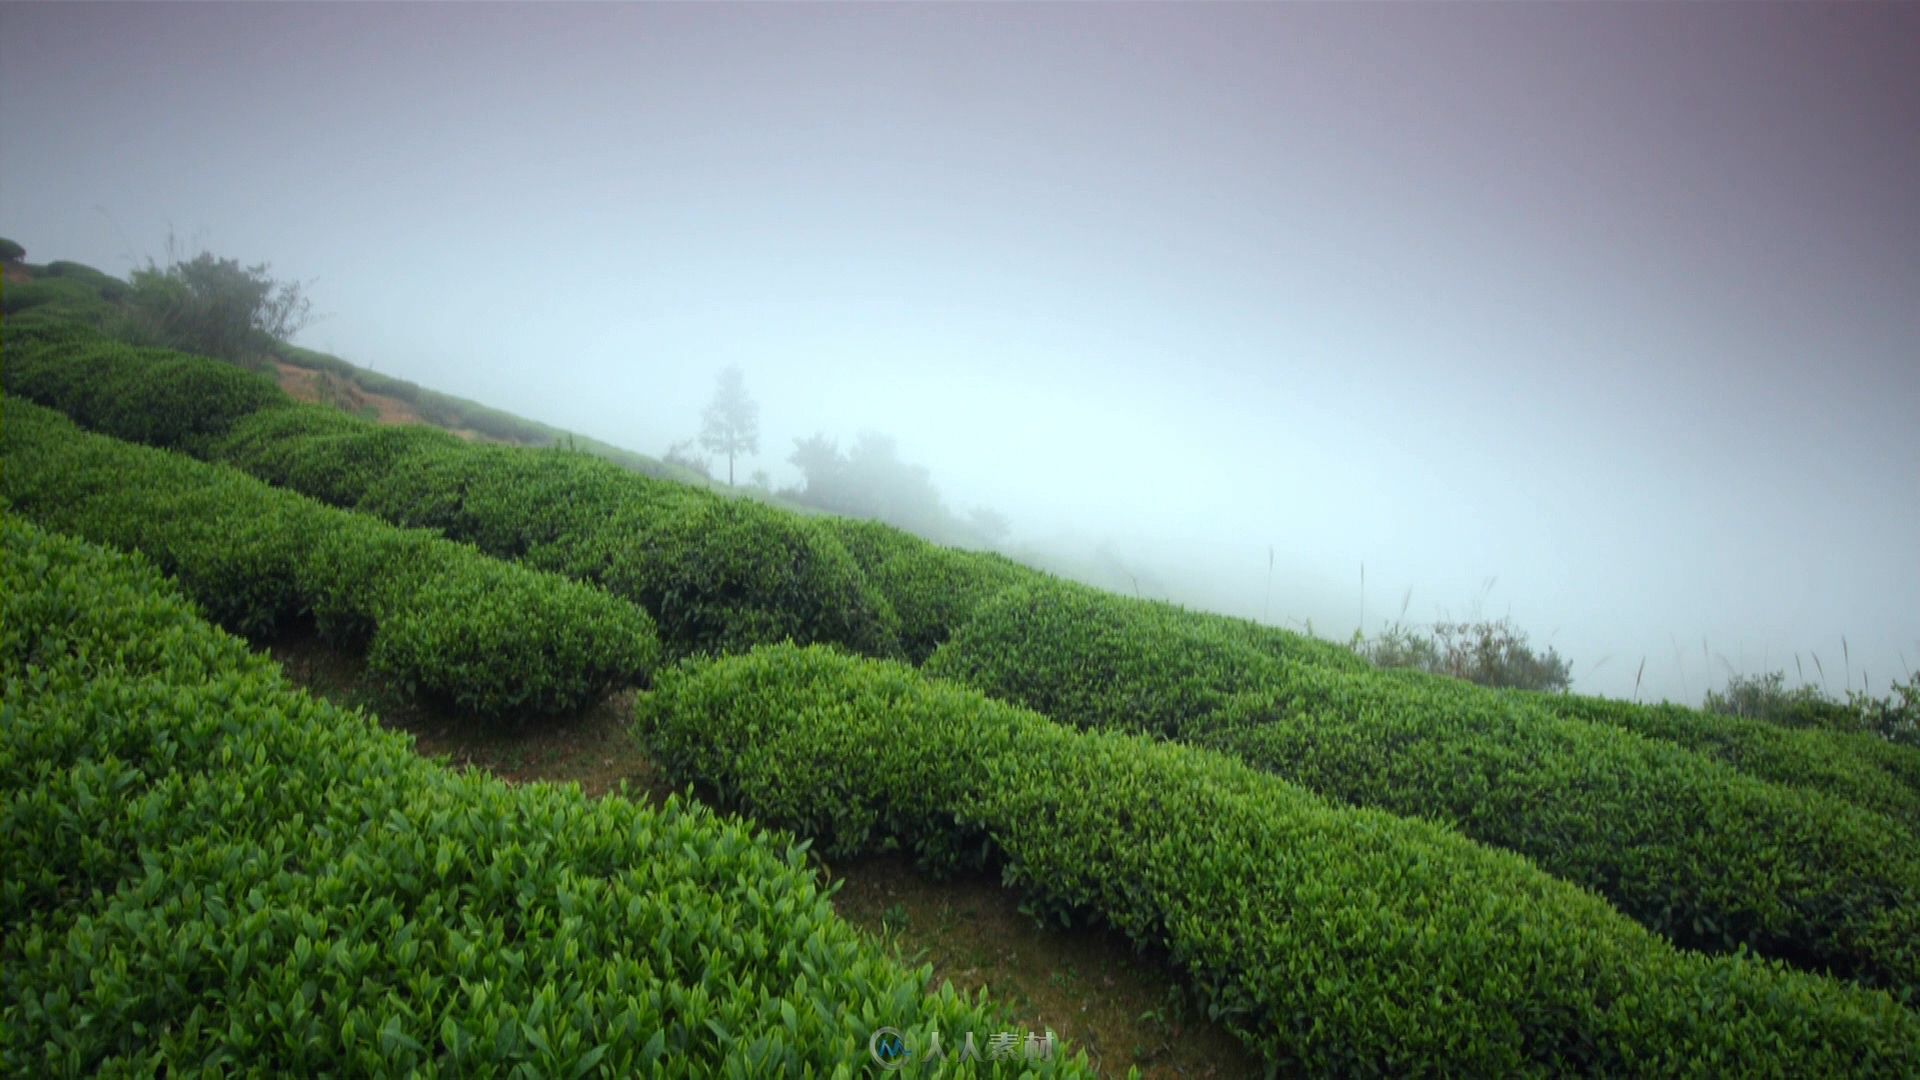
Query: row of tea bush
x=1332 y=940
x=208 y=871
x=436 y=617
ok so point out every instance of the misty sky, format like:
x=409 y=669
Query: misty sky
x=1616 y=305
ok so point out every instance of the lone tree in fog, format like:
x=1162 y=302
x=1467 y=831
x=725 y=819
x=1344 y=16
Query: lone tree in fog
x=731 y=425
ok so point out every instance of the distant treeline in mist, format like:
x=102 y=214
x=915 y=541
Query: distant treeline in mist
x=869 y=480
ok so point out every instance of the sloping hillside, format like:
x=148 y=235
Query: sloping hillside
x=1354 y=871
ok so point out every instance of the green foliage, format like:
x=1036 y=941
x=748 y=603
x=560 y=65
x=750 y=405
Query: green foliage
x=324 y=453
x=438 y=618
x=1401 y=646
x=1490 y=652
x=43 y=326
x=1861 y=768
x=1691 y=848
x=511 y=503
x=208 y=871
x=1334 y=941
x=11 y=251
x=108 y=287
x=724 y=575
x=1766 y=697
x=500 y=639
x=716 y=574
x=1277 y=643
x=1895 y=717
x=153 y=396
x=1096 y=660
x=934 y=590
x=871 y=543
x=74 y=300
x=214 y=307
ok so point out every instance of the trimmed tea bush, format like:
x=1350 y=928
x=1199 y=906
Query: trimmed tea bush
x=717 y=574
x=152 y=396
x=933 y=589
x=437 y=617
x=75 y=300
x=1689 y=847
x=1857 y=766
x=1281 y=644
x=323 y=453
x=508 y=502
x=1332 y=940
x=937 y=590
x=1090 y=658
x=869 y=542
x=726 y=574
x=208 y=871
x=104 y=285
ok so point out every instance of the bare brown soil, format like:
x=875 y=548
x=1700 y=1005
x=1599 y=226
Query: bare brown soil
x=324 y=388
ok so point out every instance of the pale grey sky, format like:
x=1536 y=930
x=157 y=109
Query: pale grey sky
x=1616 y=304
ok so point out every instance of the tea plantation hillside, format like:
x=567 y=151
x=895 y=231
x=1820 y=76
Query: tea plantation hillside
x=555 y=508
x=483 y=635
x=1336 y=941
x=1687 y=845
x=715 y=573
x=1359 y=872
x=1858 y=765
x=207 y=870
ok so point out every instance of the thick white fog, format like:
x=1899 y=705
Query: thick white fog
x=1603 y=317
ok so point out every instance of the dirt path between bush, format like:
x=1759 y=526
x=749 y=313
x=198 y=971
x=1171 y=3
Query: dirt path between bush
x=1086 y=984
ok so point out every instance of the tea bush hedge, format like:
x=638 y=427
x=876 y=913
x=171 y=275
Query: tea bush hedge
x=1689 y=847
x=1858 y=766
x=438 y=617
x=323 y=453
x=869 y=542
x=937 y=590
x=1333 y=940
x=1090 y=658
x=510 y=502
x=717 y=574
x=36 y=328
x=727 y=574
x=208 y=871
x=1692 y=848
x=933 y=589
x=104 y=285
x=75 y=300
x=153 y=396
x=1278 y=643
